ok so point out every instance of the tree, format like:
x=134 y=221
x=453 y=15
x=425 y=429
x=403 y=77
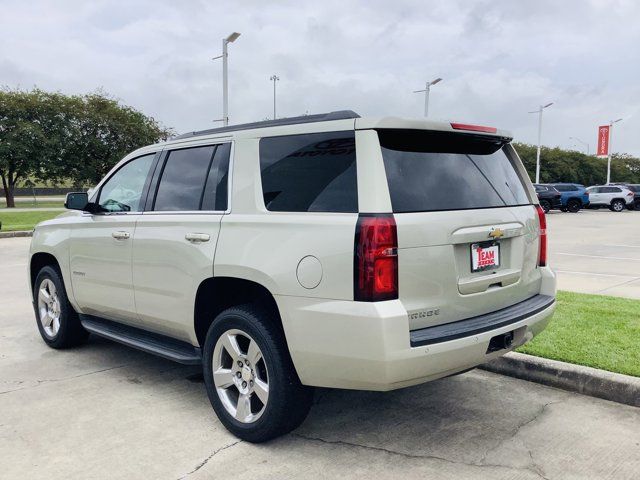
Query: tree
x=107 y=132
x=51 y=136
x=557 y=165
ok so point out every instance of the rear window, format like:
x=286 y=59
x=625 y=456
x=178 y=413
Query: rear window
x=309 y=173
x=434 y=171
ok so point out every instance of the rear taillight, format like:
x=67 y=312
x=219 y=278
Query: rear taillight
x=630 y=194
x=375 y=273
x=542 y=221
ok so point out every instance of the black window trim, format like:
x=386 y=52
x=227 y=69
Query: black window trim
x=159 y=169
x=145 y=188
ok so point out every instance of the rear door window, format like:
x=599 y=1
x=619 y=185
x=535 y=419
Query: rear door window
x=183 y=178
x=194 y=179
x=434 y=171
x=309 y=173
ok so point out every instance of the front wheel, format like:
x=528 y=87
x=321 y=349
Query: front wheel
x=250 y=378
x=58 y=322
x=617 y=205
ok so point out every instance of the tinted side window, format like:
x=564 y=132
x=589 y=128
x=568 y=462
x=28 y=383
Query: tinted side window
x=309 y=173
x=123 y=191
x=565 y=188
x=182 y=180
x=216 y=189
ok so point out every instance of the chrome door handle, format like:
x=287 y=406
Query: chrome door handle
x=121 y=235
x=197 y=237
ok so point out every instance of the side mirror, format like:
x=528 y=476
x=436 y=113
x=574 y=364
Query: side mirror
x=77 y=201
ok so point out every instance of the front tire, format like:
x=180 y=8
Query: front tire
x=250 y=379
x=574 y=206
x=57 y=321
x=617 y=206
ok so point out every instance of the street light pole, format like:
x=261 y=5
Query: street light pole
x=225 y=77
x=539 y=112
x=274 y=79
x=582 y=142
x=610 y=149
x=426 y=91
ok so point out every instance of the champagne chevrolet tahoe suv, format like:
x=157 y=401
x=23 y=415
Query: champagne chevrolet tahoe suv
x=326 y=250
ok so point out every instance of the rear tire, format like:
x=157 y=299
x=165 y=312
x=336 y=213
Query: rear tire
x=256 y=392
x=617 y=206
x=546 y=206
x=57 y=321
x=574 y=206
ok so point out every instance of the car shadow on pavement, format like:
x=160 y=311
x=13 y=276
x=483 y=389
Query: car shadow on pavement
x=462 y=418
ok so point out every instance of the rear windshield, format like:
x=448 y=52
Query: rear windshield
x=434 y=171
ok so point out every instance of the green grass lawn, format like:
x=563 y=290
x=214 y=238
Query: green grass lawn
x=12 y=221
x=592 y=330
x=39 y=204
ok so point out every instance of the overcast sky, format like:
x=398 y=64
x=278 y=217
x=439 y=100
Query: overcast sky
x=498 y=58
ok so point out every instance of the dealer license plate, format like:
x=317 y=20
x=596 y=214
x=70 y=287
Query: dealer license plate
x=485 y=256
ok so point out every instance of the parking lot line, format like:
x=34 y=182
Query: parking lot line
x=597 y=274
x=597 y=256
x=633 y=280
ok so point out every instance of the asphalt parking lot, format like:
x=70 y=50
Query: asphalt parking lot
x=106 y=411
x=596 y=251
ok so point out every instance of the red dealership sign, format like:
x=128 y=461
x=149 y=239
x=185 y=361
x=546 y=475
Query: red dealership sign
x=603 y=141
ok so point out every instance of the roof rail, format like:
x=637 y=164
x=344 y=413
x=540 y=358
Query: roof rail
x=320 y=117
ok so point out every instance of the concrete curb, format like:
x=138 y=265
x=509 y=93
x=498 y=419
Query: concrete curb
x=567 y=376
x=20 y=233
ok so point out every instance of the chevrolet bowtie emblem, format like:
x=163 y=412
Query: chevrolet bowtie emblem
x=496 y=233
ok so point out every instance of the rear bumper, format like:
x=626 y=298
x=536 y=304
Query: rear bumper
x=482 y=323
x=367 y=346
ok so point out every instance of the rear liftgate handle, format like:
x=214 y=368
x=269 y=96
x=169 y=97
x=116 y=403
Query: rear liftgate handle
x=197 y=237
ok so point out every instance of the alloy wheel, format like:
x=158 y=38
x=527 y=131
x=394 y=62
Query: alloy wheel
x=240 y=376
x=49 y=307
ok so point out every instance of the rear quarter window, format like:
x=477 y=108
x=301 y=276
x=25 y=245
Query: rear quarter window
x=309 y=173
x=434 y=171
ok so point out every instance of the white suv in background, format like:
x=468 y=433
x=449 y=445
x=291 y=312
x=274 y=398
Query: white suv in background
x=616 y=197
x=326 y=250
